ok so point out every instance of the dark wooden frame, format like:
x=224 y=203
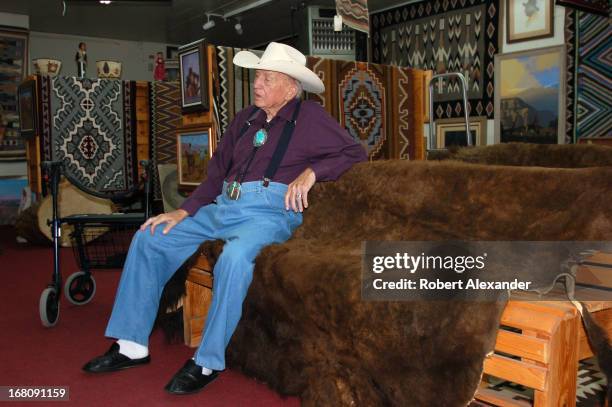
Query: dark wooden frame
x=551 y=22
x=200 y=102
x=29 y=85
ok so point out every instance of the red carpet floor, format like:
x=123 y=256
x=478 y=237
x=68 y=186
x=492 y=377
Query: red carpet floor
x=31 y=355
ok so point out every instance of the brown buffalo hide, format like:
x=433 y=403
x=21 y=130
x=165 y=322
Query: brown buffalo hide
x=305 y=329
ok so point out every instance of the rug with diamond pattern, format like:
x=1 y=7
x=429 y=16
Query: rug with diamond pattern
x=89 y=124
x=444 y=36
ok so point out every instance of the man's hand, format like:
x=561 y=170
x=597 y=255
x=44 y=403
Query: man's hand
x=296 y=197
x=171 y=219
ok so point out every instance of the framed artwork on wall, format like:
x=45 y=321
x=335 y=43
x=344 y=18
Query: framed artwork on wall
x=194 y=77
x=451 y=132
x=194 y=150
x=26 y=96
x=529 y=19
x=530 y=96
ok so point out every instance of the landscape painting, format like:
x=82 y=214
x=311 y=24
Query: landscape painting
x=529 y=97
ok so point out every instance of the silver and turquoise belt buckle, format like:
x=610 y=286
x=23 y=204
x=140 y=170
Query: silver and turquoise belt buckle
x=233 y=191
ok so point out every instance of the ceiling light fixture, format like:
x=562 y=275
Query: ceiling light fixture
x=208 y=24
x=107 y=2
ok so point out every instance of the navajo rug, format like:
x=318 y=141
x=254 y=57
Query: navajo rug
x=89 y=124
x=165 y=118
x=372 y=101
x=570 y=73
x=234 y=84
x=593 y=77
x=354 y=14
x=444 y=36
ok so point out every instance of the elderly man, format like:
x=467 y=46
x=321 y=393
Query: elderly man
x=254 y=195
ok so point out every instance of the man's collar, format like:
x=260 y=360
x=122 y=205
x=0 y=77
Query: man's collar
x=285 y=113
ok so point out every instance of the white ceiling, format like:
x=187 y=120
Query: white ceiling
x=174 y=22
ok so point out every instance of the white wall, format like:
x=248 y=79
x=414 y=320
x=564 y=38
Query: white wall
x=134 y=56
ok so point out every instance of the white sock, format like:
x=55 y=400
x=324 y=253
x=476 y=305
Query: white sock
x=132 y=350
x=205 y=371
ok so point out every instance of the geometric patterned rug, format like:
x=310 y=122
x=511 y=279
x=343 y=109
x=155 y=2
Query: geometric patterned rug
x=373 y=103
x=590 y=390
x=593 y=76
x=89 y=125
x=443 y=36
x=233 y=87
x=165 y=118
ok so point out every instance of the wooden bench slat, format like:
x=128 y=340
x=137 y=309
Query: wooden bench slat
x=527 y=374
x=524 y=346
x=497 y=398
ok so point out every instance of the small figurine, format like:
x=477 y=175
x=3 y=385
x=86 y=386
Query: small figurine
x=159 y=74
x=81 y=60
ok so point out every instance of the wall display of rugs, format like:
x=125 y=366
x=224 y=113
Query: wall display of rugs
x=165 y=118
x=13 y=70
x=530 y=96
x=589 y=77
x=444 y=36
x=374 y=102
x=233 y=87
x=89 y=124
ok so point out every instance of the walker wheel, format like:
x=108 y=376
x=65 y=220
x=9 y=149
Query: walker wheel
x=80 y=288
x=48 y=307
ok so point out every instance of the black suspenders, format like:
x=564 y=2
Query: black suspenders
x=281 y=147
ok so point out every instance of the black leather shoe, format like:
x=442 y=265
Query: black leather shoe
x=112 y=361
x=190 y=379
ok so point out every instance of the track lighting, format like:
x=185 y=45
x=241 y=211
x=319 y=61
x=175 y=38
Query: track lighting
x=208 y=24
x=238 y=27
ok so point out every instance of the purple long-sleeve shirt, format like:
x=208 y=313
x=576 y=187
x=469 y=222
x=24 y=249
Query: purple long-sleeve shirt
x=318 y=142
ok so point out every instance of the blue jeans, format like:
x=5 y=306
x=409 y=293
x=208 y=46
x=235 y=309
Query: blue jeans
x=247 y=225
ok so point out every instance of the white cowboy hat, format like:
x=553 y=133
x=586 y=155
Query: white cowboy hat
x=282 y=58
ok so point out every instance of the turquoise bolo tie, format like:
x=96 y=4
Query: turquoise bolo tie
x=260 y=137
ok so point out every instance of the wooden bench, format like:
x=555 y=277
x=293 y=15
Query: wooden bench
x=539 y=345
x=197 y=300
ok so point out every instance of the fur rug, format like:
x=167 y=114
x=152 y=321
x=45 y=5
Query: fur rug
x=305 y=330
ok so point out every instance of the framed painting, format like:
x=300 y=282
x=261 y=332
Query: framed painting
x=26 y=97
x=194 y=77
x=530 y=96
x=451 y=132
x=529 y=19
x=13 y=70
x=194 y=150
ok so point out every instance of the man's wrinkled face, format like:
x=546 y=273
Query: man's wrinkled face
x=272 y=89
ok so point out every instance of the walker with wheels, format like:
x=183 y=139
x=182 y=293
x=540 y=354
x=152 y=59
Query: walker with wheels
x=98 y=242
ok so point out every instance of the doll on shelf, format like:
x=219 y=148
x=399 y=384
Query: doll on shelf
x=81 y=60
x=159 y=74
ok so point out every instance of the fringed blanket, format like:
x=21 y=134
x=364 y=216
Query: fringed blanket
x=89 y=124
